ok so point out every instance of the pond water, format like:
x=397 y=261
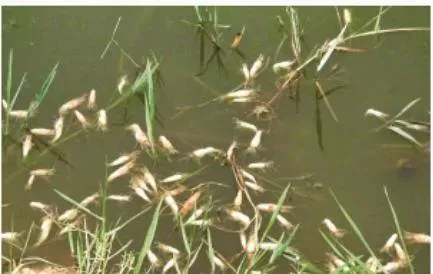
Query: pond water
x=356 y=163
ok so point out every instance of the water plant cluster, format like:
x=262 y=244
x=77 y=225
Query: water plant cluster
x=184 y=199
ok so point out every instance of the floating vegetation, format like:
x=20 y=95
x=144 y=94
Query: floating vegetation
x=187 y=200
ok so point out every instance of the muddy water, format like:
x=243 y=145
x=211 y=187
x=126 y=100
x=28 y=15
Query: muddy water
x=354 y=164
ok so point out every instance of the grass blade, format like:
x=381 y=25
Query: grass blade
x=401 y=112
x=8 y=89
x=111 y=39
x=397 y=225
x=39 y=97
x=318 y=117
x=23 y=80
x=77 y=204
x=184 y=236
x=405 y=135
x=275 y=213
x=324 y=97
x=331 y=244
x=211 y=253
x=149 y=238
x=354 y=226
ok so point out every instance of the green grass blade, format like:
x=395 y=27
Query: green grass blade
x=318 y=117
x=400 y=113
x=77 y=204
x=184 y=236
x=274 y=215
x=111 y=39
x=149 y=105
x=354 y=226
x=331 y=244
x=39 y=97
x=9 y=89
x=211 y=253
x=23 y=80
x=197 y=13
x=397 y=225
x=378 y=19
x=149 y=238
x=9 y=79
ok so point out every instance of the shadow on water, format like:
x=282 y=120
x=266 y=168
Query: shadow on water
x=354 y=161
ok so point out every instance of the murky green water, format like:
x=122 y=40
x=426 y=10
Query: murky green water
x=386 y=77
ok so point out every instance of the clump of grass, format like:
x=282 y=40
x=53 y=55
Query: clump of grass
x=344 y=260
x=209 y=29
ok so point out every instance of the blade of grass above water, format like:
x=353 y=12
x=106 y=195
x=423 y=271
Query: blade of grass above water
x=75 y=203
x=211 y=253
x=149 y=238
x=397 y=225
x=149 y=105
x=275 y=213
x=39 y=97
x=184 y=236
x=23 y=79
x=354 y=226
x=318 y=117
x=9 y=89
x=400 y=113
